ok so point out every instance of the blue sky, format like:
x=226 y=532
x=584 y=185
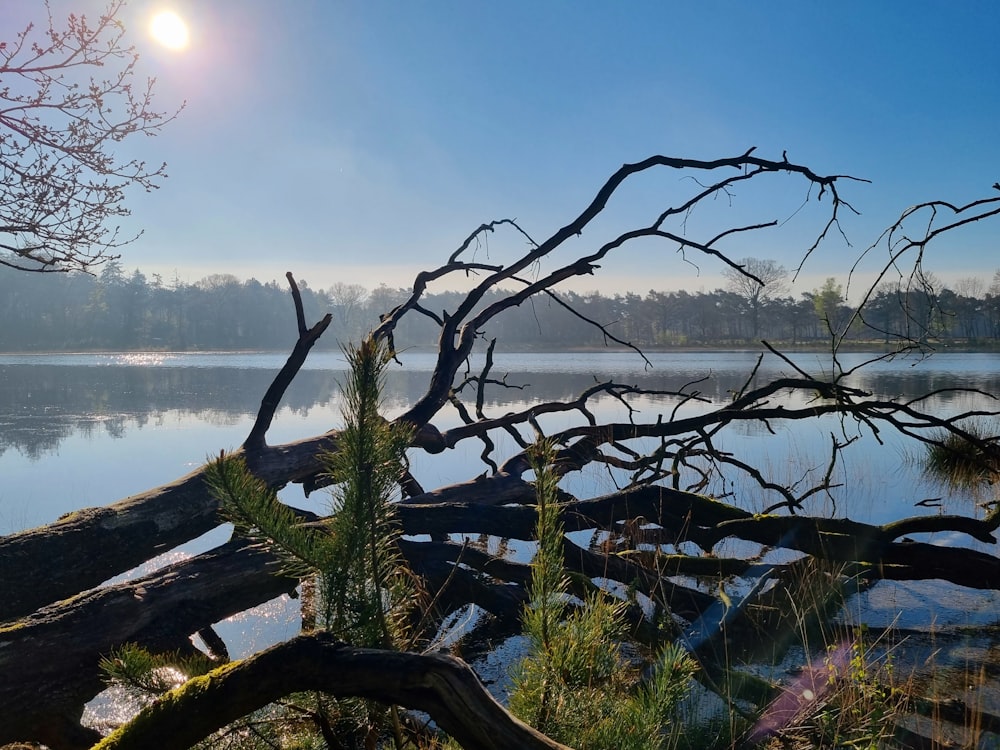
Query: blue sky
x=362 y=141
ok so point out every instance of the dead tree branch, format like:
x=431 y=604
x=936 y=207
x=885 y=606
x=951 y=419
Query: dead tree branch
x=307 y=337
x=440 y=685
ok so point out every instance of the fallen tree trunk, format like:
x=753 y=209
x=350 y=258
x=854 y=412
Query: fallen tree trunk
x=89 y=546
x=442 y=686
x=85 y=548
x=161 y=610
x=95 y=630
x=49 y=661
x=92 y=545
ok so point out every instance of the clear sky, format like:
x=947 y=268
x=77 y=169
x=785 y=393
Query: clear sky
x=362 y=141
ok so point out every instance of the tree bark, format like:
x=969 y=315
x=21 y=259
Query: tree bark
x=87 y=547
x=49 y=661
x=161 y=610
x=442 y=686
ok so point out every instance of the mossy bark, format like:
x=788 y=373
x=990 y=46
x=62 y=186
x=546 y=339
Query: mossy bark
x=440 y=685
x=49 y=661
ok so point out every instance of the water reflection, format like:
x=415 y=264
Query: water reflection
x=42 y=405
x=44 y=399
x=177 y=409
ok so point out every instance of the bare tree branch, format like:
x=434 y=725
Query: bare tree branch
x=269 y=405
x=67 y=101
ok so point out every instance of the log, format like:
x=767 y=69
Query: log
x=159 y=612
x=49 y=661
x=869 y=549
x=440 y=685
x=87 y=547
x=92 y=545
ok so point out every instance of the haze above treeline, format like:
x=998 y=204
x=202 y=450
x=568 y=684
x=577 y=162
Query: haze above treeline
x=117 y=311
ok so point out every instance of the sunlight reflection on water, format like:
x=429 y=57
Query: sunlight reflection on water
x=246 y=633
x=138 y=359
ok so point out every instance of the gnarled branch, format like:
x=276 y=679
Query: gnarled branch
x=440 y=685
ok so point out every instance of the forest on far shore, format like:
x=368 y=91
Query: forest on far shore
x=115 y=311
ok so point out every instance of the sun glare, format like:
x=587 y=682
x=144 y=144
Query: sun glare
x=169 y=30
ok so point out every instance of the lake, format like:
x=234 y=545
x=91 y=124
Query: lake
x=78 y=430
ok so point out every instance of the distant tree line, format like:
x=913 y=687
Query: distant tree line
x=114 y=310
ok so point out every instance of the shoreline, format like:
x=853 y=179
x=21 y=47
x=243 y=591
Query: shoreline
x=855 y=348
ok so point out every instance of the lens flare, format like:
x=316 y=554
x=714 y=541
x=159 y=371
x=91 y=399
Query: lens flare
x=169 y=30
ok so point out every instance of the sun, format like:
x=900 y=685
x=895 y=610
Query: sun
x=169 y=30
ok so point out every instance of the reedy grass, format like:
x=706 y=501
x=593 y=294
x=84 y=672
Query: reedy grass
x=961 y=463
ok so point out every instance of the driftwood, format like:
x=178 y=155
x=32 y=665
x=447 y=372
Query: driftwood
x=159 y=611
x=89 y=546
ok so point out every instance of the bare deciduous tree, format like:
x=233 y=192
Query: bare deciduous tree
x=756 y=281
x=68 y=97
x=348 y=302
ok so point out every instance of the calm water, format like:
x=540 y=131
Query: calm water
x=79 y=430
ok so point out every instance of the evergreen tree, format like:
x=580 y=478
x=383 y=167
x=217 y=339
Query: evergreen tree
x=363 y=590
